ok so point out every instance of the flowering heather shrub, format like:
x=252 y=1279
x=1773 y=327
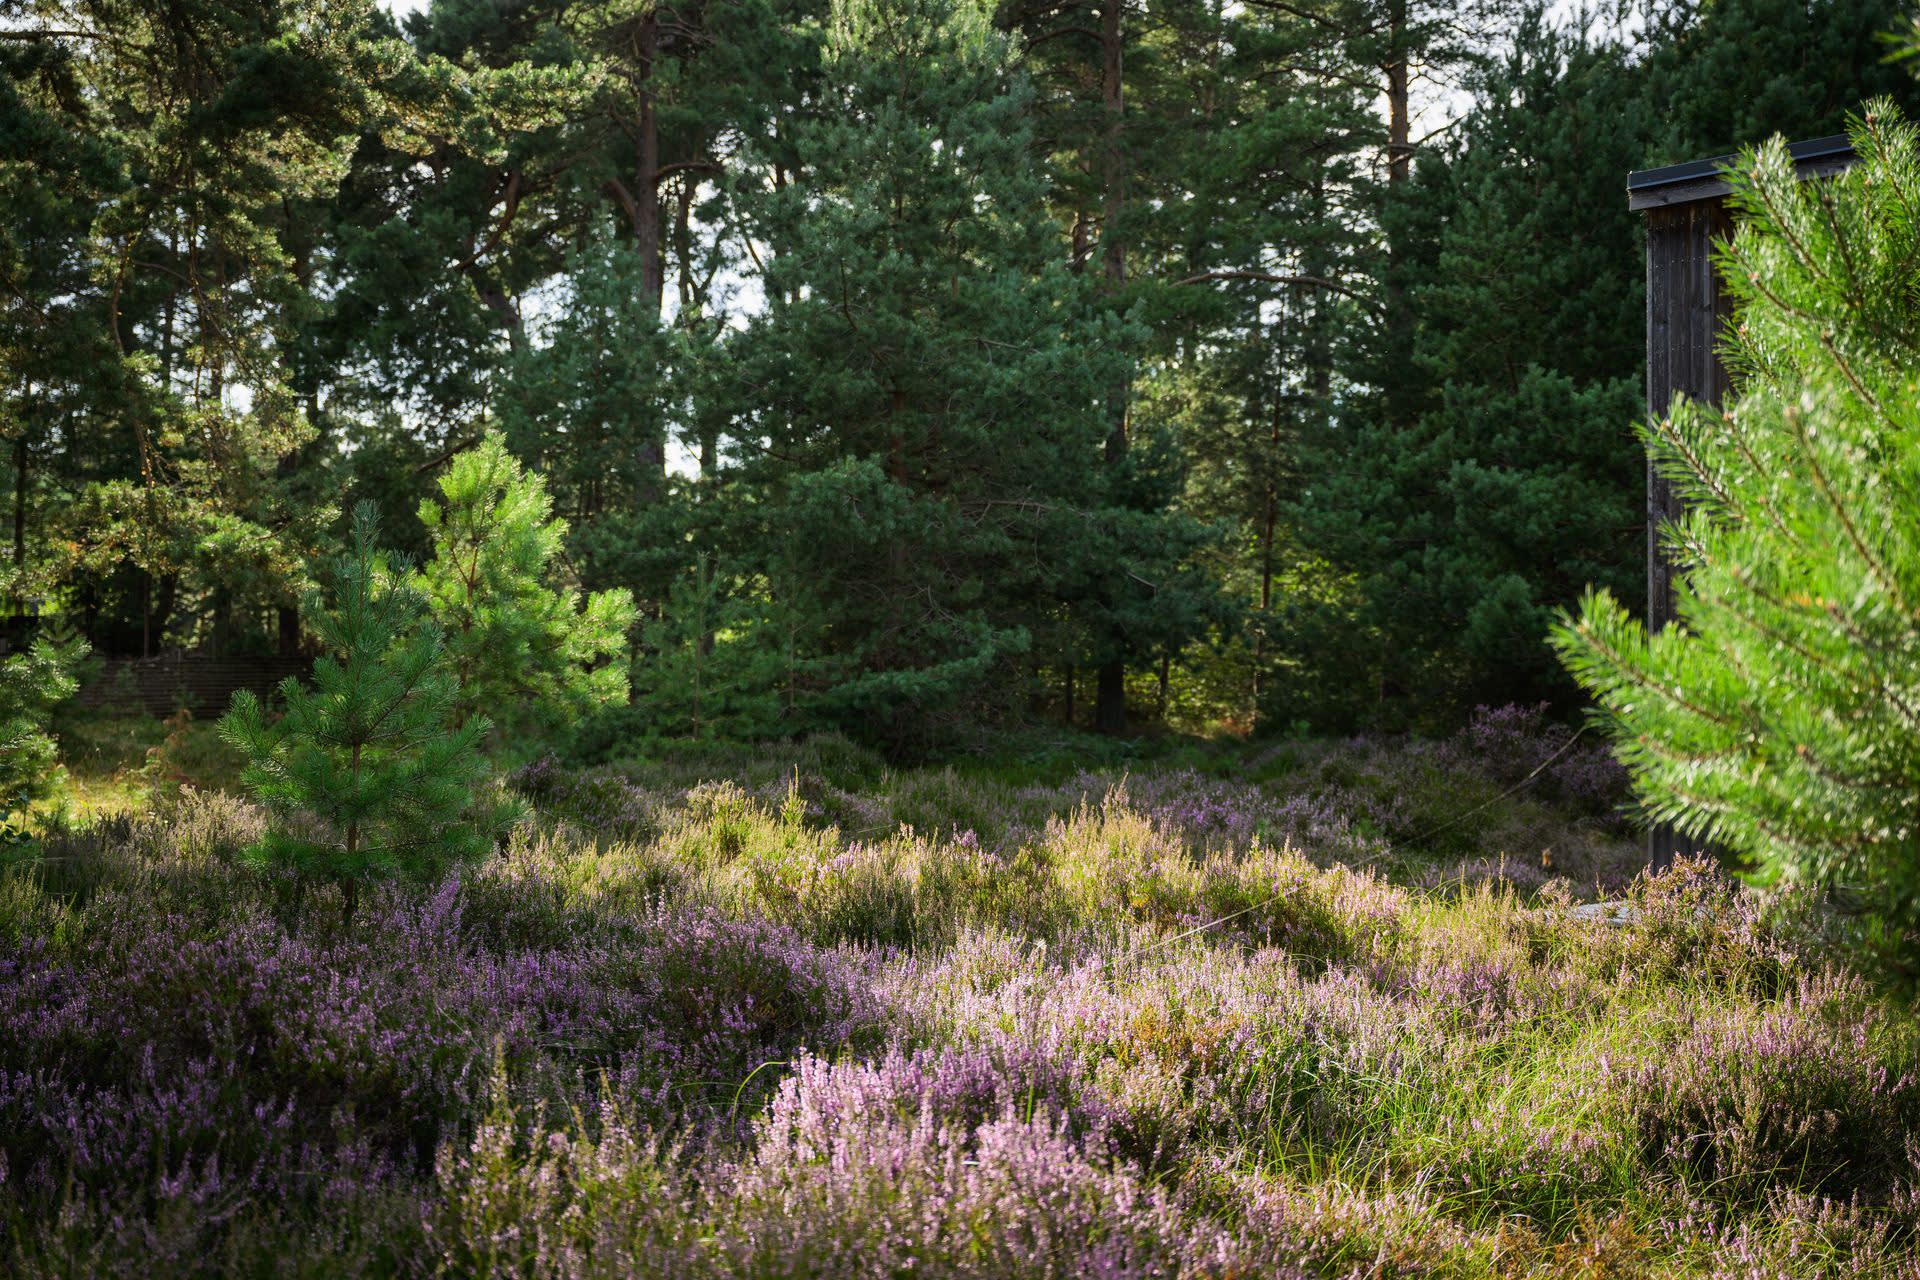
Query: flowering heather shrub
x=1104 y=1022
x=1354 y=802
x=1226 y=815
x=195 y=1228
x=144 y=1048
x=888 y=1170
x=1115 y=861
x=1330 y=1229
x=181 y=846
x=1816 y=1091
x=924 y=1165
x=1802 y=1235
x=1179 y=1051
x=1456 y=800
x=602 y=803
x=522 y=1199
x=1511 y=743
x=1698 y=923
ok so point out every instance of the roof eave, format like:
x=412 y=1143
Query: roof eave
x=1705 y=179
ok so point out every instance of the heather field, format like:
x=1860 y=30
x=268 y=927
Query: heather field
x=790 y=1013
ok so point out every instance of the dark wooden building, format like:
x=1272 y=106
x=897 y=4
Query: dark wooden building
x=1686 y=211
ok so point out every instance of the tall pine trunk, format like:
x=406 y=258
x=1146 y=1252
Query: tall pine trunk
x=1110 y=690
x=158 y=610
x=20 y=463
x=1269 y=523
x=647 y=234
x=1399 y=125
x=1399 y=169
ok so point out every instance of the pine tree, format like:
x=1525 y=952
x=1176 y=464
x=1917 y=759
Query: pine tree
x=921 y=419
x=1725 y=73
x=714 y=664
x=1486 y=484
x=514 y=641
x=31 y=685
x=220 y=120
x=1780 y=716
x=1480 y=473
x=589 y=405
x=367 y=775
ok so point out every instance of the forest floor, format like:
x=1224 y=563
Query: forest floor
x=1306 y=1009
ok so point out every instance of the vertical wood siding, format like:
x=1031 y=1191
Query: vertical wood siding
x=1686 y=311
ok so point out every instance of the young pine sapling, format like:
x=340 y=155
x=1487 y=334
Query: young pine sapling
x=367 y=775
x=1779 y=717
x=513 y=639
x=32 y=683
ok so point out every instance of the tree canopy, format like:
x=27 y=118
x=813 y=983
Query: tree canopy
x=912 y=364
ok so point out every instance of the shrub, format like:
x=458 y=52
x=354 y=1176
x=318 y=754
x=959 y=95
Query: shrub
x=919 y=1166
x=31 y=684
x=1780 y=716
x=152 y=1039
x=1817 y=1091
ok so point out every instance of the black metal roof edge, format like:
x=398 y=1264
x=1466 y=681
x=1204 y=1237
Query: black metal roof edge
x=1813 y=149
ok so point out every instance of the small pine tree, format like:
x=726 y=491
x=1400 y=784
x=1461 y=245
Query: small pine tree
x=31 y=685
x=713 y=663
x=512 y=639
x=366 y=775
x=1780 y=715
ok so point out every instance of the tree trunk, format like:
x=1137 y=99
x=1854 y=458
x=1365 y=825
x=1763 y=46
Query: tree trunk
x=703 y=642
x=646 y=213
x=20 y=463
x=159 y=611
x=511 y=322
x=287 y=614
x=1269 y=520
x=1110 y=692
x=1073 y=675
x=1399 y=128
x=1110 y=699
x=898 y=560
x=646 y=234
x=1399 y=168
x=683 y=242
x=349 y=887
x=221 y=637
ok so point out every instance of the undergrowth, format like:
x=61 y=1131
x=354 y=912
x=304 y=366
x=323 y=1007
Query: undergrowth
x=792 y=1013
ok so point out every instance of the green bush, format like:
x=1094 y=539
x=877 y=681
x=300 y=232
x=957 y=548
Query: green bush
x=31 y=684
x=1780 y=716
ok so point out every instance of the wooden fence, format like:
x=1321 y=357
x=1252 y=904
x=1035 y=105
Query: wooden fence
x=202 y=683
